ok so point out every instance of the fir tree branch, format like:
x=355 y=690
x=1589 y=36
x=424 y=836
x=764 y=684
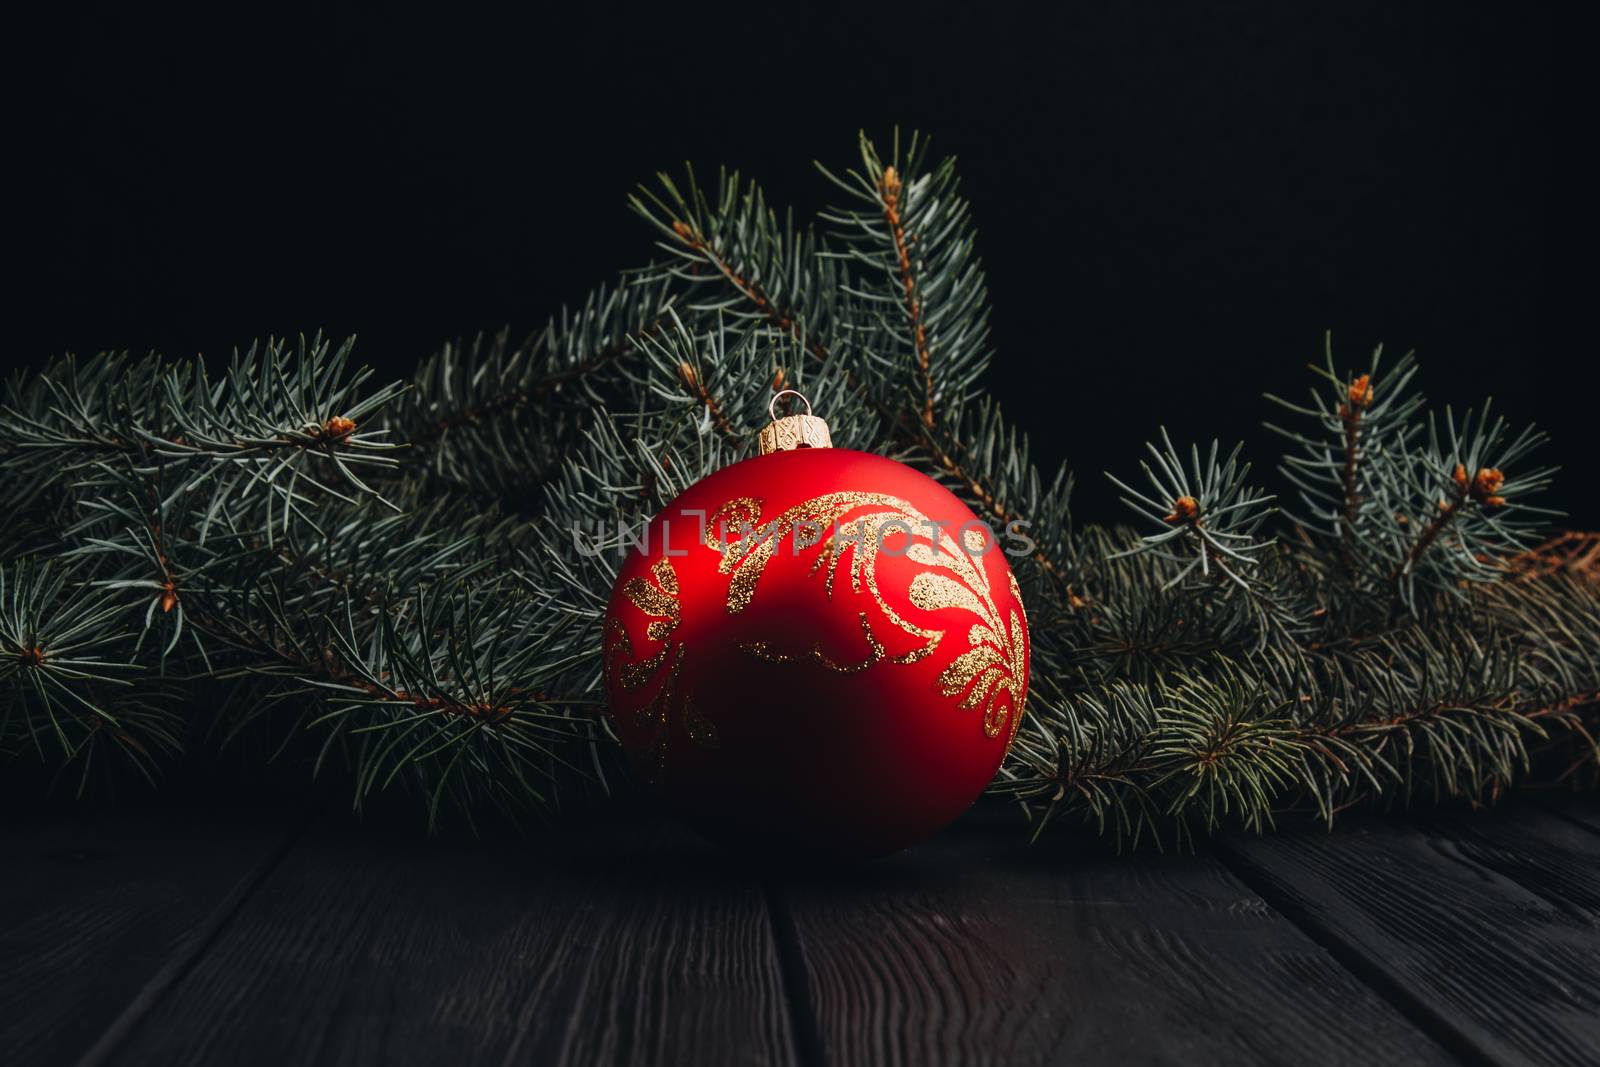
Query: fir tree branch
x=1357 y=398
x=777 y=317
x=1348 y=477
x=574 y=349
x=1448 y=510
x=890 y=189
x=1570 y=552
x=1206 y=674
x=697 y=387
x=517 y=397
x=733 y=243
x=693 y=226
x=497 y=419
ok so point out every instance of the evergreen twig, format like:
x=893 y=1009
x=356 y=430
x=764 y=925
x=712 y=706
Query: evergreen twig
x=411 y=581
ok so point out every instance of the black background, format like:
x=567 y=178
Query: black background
x=1174 y=201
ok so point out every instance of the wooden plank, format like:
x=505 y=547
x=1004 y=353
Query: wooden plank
x=978 y=949
x=1556 y=858
x=372 y=945
x=1582 y=809
x=1479 y=939
x=101 y=909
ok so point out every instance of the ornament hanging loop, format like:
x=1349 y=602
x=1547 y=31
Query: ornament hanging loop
x=793 y=431
x=772 y=405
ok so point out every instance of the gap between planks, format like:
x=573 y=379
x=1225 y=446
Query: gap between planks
x=1527 y=866
x=1347 y=955
x=173 y=971
x=803 y=1019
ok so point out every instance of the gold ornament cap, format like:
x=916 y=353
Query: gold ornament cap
x=793 y=431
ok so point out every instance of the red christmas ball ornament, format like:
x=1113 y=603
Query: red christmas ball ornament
x=818 y=649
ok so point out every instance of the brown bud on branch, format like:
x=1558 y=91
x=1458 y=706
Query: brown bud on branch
x=1361 y=391
x=1486 y=487
x=891 y=184
x=1185 y=509
x=336 y=430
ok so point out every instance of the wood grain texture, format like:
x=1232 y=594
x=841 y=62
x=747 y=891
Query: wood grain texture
x=1555 y=858
x=976 y=949
x=372 y=947
x=187 y=934
x=1583 y=810
x=95 y=908
x=1484 y=926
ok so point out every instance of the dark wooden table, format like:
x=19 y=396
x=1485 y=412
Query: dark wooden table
x=197 y=933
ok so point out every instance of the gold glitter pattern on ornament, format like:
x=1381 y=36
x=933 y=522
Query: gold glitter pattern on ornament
x=619 y=661
x=740 y=513
x=1016 y=598
x=876 y=653
x=660 y=599
x=990 y=674
x=661 y=570
x=701 y=730
x=658 y=713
